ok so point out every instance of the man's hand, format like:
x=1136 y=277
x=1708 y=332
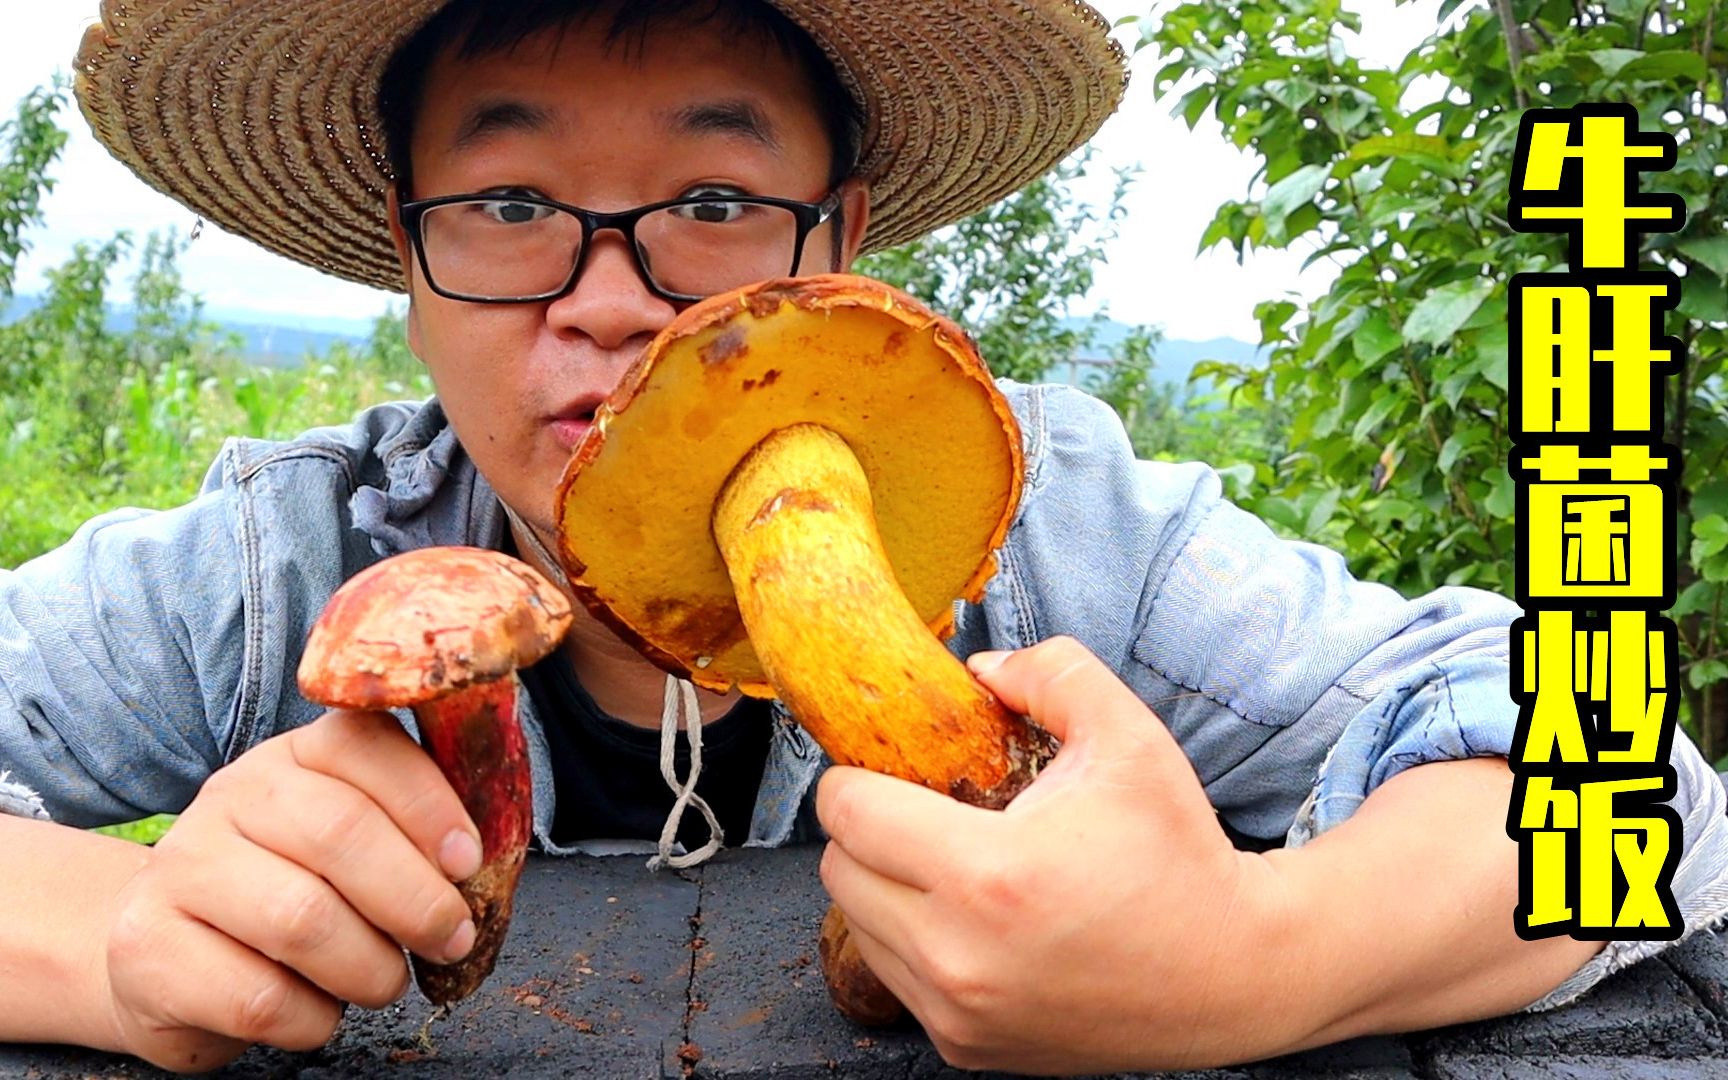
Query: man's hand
x=1099 y=921
x=1103 y=922
x=290 y=885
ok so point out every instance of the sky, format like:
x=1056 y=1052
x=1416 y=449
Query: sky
x=1152 y=273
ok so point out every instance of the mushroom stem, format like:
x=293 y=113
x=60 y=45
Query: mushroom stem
x=477 y=743
x=840 y=642
x=850 y=656
x=476 y=740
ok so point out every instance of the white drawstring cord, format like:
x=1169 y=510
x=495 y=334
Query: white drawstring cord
x=681 y=697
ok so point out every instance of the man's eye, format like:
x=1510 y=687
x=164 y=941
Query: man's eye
x=713 y=213
x=714 y=209
x=509 y=212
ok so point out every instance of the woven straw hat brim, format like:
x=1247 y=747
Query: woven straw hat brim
x=261 y=116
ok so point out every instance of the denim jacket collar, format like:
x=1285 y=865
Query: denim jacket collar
x=424 y=465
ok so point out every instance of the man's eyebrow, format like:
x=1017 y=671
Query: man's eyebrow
x=488 y=118
x=735 y=117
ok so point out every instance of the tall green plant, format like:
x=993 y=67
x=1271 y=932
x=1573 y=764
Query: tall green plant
x=1403 y=361
x=29 y=144
x=101 y=408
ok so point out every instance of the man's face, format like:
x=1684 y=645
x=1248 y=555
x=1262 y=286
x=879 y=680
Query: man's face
x=606 y=128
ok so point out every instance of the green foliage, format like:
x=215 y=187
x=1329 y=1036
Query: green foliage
x=93 y=416
x=1149 y=410
x=1010 y=272
x=1404 y=361
x=28 y=145
x=147 y=831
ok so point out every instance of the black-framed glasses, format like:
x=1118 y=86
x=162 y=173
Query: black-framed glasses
x=512 y=249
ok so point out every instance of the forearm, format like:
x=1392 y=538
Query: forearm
x=57 y=890
x=1400 y=918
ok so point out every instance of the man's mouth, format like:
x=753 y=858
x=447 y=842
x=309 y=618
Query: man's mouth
x=570 y=423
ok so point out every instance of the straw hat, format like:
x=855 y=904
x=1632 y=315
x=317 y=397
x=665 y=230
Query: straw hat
x=260 y=114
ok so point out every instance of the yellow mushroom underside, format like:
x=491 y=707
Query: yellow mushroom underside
x=935 y=443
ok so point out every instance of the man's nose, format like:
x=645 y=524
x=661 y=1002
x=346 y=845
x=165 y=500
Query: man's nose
x=610 y=303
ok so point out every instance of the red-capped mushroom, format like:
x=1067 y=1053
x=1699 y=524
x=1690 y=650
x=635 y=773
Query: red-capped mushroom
x=442 y=630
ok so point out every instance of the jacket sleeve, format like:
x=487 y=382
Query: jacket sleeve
x=120 y=653
x=1295 y=689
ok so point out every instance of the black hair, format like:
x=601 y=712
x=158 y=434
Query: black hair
x=484 y=27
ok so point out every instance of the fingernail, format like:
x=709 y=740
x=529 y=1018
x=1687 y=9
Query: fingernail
x=988 y=660
x=460 y=855
x=460 y=942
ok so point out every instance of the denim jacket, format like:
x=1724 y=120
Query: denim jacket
x=156 y=646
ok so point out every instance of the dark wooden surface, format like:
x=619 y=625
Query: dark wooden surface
x=611 y=971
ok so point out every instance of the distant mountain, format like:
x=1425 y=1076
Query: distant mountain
x=267 y=337
x=283 y=340
x=328 y=325
x=1173 y=359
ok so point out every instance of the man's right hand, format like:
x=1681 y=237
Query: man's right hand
x=290 y=885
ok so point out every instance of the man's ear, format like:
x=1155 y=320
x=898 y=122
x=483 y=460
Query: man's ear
x=855 y=216
x=398 y=236
x=404 y=258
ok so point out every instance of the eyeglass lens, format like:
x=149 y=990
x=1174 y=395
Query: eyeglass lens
x=498 y=248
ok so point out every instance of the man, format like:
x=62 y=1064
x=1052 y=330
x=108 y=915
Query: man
x=1245 y=683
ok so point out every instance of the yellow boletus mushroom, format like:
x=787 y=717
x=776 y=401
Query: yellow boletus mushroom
x=787 y=494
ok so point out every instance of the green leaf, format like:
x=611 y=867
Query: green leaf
x=1493 y=310
x=1402 y=146
x=1664 y=67
x=1340 y=333
x=1711 y=251
x=1703 y=298
x=1612 y=60
x=1297 y=189
x=1229 y=223
x=1376 y=414
x=1493 y=356
x=1291 y=93
x=1457 y=443
x=1375 y=339
x=1238 y=481
x=1706 y=672
x=1194 y=102
x=1710 y=497
x=1709 y=536
x=1321 y=512
x=1273 y=314
x=1444 y=310
x=1696 y=597
x=1278 y=511
x=1502 y=496
x=1301 y=220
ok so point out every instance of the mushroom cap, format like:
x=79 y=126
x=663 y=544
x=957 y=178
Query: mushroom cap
x=428 y=622
x=904 y=387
